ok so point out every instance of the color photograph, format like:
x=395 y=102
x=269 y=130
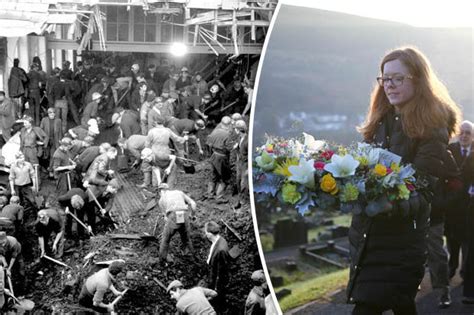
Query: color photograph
x=362 y=157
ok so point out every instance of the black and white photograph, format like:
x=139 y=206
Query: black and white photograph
x=124 y=156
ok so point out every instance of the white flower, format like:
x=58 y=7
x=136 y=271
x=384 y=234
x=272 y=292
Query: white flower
x=342 y=166
x=370 y=153
x=312 y=145
x=296 y=148
x=303 y=173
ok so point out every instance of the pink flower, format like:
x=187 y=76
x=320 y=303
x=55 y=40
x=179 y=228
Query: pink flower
x=284 y=145
x=319 y=165
x=327 y=155
x=389 y=170
x=410 y=187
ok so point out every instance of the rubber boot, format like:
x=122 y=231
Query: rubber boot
x=146 y=180
x=220 y=190
x=210 y=189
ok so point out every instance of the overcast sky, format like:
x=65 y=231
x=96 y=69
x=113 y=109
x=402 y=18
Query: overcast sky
x=424 y=13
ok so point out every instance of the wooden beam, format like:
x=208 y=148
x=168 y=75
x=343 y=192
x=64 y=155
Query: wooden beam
x=196 y=32
x=251 y=49
x=245 y=23
x=252 y=28
x=215 y=25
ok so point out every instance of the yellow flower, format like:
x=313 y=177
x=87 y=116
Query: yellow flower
x=282 y=168
x=380 y=170
x=395 y=167
x=363 y=160
x=328 y=184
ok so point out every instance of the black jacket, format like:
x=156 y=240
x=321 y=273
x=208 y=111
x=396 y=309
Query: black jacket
x=457 y=211
x=388 y=252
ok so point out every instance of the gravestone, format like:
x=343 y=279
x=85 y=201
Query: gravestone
x=289 y=232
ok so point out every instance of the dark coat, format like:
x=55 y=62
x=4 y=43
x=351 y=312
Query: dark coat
x=219 y=266
x=7 y=114
x=57 y=133
x=388 y=252
x=130 y=124
x=456 y=214
x=17 y=82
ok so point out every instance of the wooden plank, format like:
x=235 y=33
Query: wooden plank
x=252 y=28
x=249 y=48
x=246 y=23
x=196 y=33
x=208 y=17
x=124 y=236
x=215 y=25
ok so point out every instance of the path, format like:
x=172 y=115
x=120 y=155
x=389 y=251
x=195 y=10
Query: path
x=426 y=300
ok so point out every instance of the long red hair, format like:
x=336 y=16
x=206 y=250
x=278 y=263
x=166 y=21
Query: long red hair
x=431 y=107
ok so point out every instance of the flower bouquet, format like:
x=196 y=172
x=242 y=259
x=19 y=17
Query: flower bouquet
x=309 y=173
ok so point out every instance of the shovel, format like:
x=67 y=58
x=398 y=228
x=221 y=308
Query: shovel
x=79 y=221
x=24 y=304
x=102 y=211
x=188 y=167
x=117 y=299
x=39 y=199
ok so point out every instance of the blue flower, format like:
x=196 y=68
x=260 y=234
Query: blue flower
x=266 y=183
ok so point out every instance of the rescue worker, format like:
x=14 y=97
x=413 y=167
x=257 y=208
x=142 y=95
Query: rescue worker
x=191 y=301
x=62 y=166
x=219 y=142
x=12 y=259
x=174 y=204
x=97 y=285
x=50 y=221
x=158 y=140
x=23 y=180
x=255 y=303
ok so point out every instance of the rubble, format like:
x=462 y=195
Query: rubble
x=145 y=279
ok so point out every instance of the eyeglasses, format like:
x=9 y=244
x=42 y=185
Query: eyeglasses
x=395 y=80
x=466 y=132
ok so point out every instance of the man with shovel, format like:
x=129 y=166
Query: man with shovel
x=161 y=164
x=74 y=201
x=95 y=287
x=11 y=258
x=174 y=204
x=50 y=221
x=63 y=166
x=22 y=178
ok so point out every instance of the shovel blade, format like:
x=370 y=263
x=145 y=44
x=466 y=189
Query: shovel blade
x=39 y=200
x=25 y=304
x=151 y=204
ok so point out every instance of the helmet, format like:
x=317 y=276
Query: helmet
x=236 y=116
x=241 y=125
x=214 y=88
x=226 y=120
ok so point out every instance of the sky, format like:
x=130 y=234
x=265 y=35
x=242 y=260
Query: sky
x=420 y=13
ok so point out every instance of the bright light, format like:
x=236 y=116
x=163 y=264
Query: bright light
x=178 y=49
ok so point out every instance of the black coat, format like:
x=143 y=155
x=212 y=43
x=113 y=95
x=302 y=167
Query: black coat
x=219 y=266
x=388 y=252
x=456 y=214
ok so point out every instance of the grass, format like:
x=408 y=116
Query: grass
x=342 y=220
x=267 y=242
x=304 y=292
x=305 y=271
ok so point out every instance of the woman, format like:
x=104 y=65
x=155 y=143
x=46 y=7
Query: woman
x=412 y=115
